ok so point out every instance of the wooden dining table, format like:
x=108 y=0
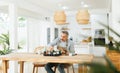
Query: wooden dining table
x=30 y=57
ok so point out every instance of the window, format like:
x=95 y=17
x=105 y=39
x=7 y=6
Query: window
x=4 y=31
x=4 y=23
x=22 y=33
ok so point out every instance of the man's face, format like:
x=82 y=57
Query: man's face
x=64 y=37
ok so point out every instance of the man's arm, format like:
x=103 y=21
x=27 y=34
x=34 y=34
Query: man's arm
x=52 y=44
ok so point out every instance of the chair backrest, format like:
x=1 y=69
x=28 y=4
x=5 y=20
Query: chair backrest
x=39 y=49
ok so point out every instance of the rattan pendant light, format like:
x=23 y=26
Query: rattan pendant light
x=83 y=16
x=60 y=17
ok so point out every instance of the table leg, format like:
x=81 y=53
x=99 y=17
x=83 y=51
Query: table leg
x=5 y=66
x=85 y=69
x=21 y=66
x=82 y=69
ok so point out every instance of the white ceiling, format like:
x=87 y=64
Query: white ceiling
x=70 y=4
x=47 y=7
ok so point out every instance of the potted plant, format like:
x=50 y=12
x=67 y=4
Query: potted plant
x=5 y=44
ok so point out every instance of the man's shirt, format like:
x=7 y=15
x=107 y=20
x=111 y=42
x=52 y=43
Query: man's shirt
x=68 y=45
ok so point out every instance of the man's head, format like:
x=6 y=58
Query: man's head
x=64 y=35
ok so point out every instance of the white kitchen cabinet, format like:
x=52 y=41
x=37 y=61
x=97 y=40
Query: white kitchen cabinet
x=99 y=51
x=83 y=48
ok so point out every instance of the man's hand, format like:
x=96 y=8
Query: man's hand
x=63 y=50
x=51 y=48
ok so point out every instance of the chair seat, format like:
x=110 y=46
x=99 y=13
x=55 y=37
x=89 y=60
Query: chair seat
x=67 y=65
x=37 y=64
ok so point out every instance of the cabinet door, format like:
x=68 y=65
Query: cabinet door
x=56 y=33
x=82 y=49
x=48 y=35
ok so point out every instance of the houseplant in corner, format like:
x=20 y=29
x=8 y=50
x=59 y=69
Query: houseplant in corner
x=5 y=44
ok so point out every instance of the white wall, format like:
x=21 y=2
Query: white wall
x=76 y=30
x=115 y=17
x=37 y=33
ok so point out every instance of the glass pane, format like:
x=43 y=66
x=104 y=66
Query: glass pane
x=4 y=36
x=22 y=33
x=4 y=23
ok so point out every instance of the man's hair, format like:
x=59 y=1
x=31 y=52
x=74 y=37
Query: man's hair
x=65 y=32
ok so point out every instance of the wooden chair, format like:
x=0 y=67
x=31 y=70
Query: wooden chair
x=67 y=67
x=37 y=64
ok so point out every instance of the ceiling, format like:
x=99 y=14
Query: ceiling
x=70 y=4
x=49 y=6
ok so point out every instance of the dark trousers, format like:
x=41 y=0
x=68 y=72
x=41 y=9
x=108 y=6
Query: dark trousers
x=49 y=66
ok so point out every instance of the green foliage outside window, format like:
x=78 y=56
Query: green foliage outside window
x=5 y=43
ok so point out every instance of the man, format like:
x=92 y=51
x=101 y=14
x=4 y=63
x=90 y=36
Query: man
x=63 y=44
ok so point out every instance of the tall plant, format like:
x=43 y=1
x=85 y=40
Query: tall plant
x=4 y=41
x=5 y=44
